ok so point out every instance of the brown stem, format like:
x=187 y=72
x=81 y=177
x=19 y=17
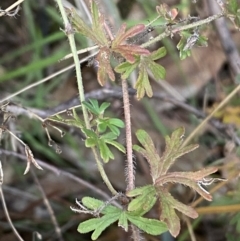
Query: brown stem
x=130 y=166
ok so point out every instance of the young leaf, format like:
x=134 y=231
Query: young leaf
x=103 y=107
x=174 y=150
x=142 y=84
x=122 y=36
x=119 y=146
x=129 y=52
x=126 y=68
x=150 y=226
x=105 y=152
x=146 y=197
x=157 y=54
x=80 y=24
x=168 y=203
x=123 y=221
x=97 y=224
x=157 y=70
x=117 y=122
x=149 y=152
x=96 y=204
x=98 y=23
x=104 y=66
x=92 y=106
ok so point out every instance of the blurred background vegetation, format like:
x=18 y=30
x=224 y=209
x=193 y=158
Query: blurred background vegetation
x=31 y=45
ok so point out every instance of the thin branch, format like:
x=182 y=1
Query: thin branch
x=176 y=29
x=45 y=79
x=225 y=37
x=6 y=11
x=5 y=206
x=59 y=172
x=49 y=208
x=205 y=121
x=70 y=35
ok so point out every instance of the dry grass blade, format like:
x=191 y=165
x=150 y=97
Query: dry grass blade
x=1 y=174
x=30 y=159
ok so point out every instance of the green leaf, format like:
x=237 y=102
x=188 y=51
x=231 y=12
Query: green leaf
x=174 y=150
x=194 y=180
x=146 y=198
x=91 y=142
x=105 y=152
x=97 y=224
x=149 y=152
x=80 y=24
x=150 y=226
x=142 y=84
x=95 y=204
x=123 y=221
x=92 y=106
x=119 y=146
x=97 y=24
x=102 y=127
x=126 y=68
x=115 y=130
x=103 y=107
x=90 y=133
x=232 y=6
x=117 y=122
x=157 y=70
x=157 y=54
x=108 y=136
x=168 y=203
x=112 y=123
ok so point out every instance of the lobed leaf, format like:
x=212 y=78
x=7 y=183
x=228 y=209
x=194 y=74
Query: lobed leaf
x=174 y=150
x=142 y=84
x=168 y=203
x=117 y=122
x=123 y=221
x=119 y=146
x=97 y=24
x=103 y=107
x=149 y=152
x=195 y=180
x=97 y=224
x=105 y=152
x=104 y=66
x=157 y=70
x=80 y=24
x=96 y=204
x=146 y=198
x=122 y=36
x=92 y=106
x=130 y=51
x=157 y=54
x=126 y=68
x=150 y=226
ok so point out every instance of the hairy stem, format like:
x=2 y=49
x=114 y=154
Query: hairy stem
x=130 y=165
x=70 y=35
